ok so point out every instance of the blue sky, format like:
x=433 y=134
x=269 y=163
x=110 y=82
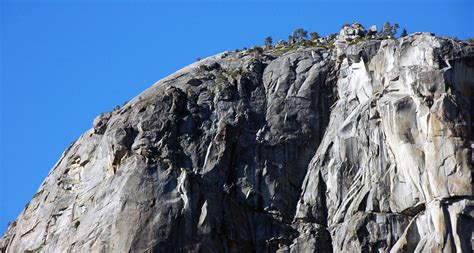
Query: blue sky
x=64 y=62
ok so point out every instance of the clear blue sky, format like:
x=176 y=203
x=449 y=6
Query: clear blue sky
x=64 y=62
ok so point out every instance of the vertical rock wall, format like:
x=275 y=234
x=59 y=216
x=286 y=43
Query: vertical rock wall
x=366 y=147
x=394 y=170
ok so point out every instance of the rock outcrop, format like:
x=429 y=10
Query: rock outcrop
x=363 y=148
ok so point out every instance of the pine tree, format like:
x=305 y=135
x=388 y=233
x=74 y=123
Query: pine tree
x=299 y=34
x=386 y=30
x=404 y=33
x=291 y=39
x=314 y=36
x=394 y=29
x=304 y=35
x=268 y=41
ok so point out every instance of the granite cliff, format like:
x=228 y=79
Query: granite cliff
x=356 y=143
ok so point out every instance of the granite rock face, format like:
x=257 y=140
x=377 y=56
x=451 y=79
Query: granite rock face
x=366 y=147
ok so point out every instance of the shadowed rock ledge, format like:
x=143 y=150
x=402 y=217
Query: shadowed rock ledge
x=365 y=147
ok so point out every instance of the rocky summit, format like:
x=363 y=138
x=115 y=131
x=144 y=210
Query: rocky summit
x=356 y=142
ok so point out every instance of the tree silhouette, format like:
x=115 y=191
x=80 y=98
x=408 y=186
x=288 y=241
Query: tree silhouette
x=386 y=30
x=291 y=39
x=304 y=35
x=314 y=36
x=268 y=41
x=404 y=33
x=300 y=34
x=394 y=29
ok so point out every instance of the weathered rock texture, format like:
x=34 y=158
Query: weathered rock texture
x=366 y=147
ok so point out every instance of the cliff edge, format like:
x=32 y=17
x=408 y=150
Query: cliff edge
x=356 y=144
